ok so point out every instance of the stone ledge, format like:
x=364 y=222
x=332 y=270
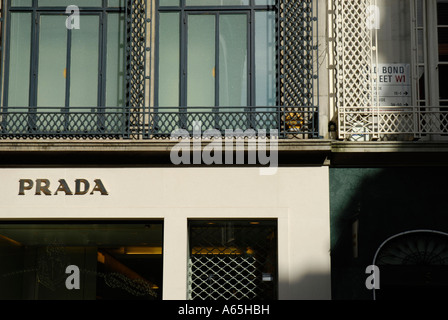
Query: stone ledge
x=389 y=146
x=142 y=145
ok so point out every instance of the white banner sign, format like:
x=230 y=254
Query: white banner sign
x=394 y=85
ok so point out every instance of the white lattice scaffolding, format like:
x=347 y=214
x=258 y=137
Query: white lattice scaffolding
x=356 y=61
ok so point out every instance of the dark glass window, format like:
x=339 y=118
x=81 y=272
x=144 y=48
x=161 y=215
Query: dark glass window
x=115 y=260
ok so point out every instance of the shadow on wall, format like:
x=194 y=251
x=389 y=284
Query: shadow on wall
x=310 y=286
x=369 y=205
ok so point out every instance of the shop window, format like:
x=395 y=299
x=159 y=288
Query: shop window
x=115 y=261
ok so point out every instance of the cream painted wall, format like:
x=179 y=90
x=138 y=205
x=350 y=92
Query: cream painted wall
x=297 y=197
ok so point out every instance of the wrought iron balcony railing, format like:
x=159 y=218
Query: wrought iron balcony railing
x=369 y=123
x=155 y=122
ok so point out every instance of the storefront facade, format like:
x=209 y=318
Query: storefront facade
x=168 y=220
x=114 y=115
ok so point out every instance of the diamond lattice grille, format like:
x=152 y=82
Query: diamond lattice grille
x=138 y=17
x=355 y=61
x=295 y=113
x=232 y=260
x=297 y=66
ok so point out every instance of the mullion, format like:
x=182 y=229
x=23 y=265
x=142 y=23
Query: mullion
x=104 y=17
x=217 y=17
x=183 y=117
x=251 y=76
x=215 y=108
x=35 y=26
x=5 y=50
x=102 y=63
x=34 y=67
x=183 y=25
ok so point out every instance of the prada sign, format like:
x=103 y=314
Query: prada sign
x=79 y=187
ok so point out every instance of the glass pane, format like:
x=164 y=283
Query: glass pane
x=84 y=63
x=443 y=44
x=201 y=61
x=443 y=81
x=115 y=74
x=421 y=83
x=419 y=10
x=116 y=3
x=265 y=2
x=169 y=70
x=233 y=60
x=84 y=73
x=21 y=3
x=169 y=56
x=19 y=60
x=442 y=13
x=52 y=71
x=265 y=68
x=66 y=3
x=52 y=61
x=420 y=46
x=217 y=2
x=201 y=70
x=169 y=3
x=115 y=60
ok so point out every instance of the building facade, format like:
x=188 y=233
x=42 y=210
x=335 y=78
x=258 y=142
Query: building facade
x=222 y=149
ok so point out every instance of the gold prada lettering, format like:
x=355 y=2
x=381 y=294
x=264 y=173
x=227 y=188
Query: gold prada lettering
x=43 y=187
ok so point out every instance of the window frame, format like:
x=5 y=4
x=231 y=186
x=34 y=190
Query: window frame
x=98 y=110
x=184 y=11
x=293 y=103
x=36 y=12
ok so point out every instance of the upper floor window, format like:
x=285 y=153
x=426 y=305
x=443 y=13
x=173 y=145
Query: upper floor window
x=53 y=65
x=143 y=68
x=217 y=55
x=63 y=66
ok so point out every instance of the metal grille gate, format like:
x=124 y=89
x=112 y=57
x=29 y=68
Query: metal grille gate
x=139 y=41
x=297 y=65
x=232 y=260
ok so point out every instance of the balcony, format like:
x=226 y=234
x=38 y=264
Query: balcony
x=391 y=123
x=114 y=123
